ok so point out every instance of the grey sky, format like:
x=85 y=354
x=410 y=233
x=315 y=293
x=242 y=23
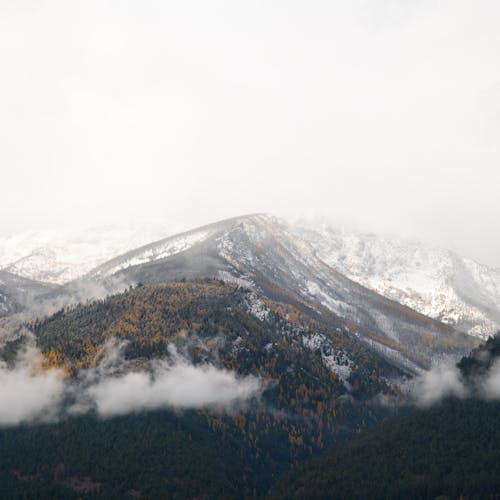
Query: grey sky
x=382 y=114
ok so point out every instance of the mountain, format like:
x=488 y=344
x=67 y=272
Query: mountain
x=435 y=282
x=209 y=363
x=265 y=254
x=319 y=427
x=450 y=450
x=18 y=293
x=61 y=256
x=317 y=383
x=447 y=451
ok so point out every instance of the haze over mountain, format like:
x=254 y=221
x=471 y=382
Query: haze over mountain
x=291 y=234
x=58 y=256
x=385 y=114
x=434 y=281
x=263 y=338
x=265 y=254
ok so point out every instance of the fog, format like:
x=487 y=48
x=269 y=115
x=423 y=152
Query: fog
x=31 y=393
x=175 y=382
x=179 y=386
x=444 y=381
x=28 y=393
x=438 y=383
x=492 y=385
x=384 y=115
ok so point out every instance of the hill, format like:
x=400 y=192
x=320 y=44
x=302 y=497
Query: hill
x=450 y=450
x=319 y=384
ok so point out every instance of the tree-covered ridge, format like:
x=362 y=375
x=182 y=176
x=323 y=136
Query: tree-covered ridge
x=451 y=450
x=321 y=387
x=481 y=359
x=155 y=317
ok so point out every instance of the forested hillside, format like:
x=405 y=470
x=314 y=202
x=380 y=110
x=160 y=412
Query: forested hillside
x=319 y=385
x=450 y=450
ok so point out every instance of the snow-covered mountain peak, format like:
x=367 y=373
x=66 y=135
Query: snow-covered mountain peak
x=434 y=281
x=61 y=256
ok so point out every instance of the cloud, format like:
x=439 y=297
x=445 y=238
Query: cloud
x=29 y=393
x=438 y=383
x=243 y=108
x=180 y=385
x=26 y=392
x=446 y=380
x=491 y=387
x=113 y=389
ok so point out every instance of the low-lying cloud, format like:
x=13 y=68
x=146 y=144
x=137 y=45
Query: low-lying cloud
x=446 y=380
x=438 y=383
x=29 y=393
x=179 y=385
x=491 y=388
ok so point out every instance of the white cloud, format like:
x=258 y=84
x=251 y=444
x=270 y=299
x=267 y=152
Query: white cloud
x=180 y=386
x=29 y=393
x=491 y=387
x=385 y=114
x=438 y=383
x=26 y=392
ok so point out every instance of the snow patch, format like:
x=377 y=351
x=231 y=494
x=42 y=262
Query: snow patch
x=256 y=307
x=241 y=281
x=334 y=359
x=336 y=306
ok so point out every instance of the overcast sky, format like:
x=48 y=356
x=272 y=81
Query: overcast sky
x=380 y=114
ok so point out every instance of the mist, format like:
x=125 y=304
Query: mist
x=27 y=392
x=491 y=389
x=30 y=393
x=445 y=381
x=179 y=386
x=440 y=382
x=380 y=115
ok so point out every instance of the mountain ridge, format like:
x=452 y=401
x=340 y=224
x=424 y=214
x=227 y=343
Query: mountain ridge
x=264 y=254
x=436 y=282
x=433 y=281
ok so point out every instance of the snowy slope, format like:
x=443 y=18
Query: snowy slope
x=17 y=293
x=432 y=281
x=58 y=257
x=152 y=252
x=265 y=254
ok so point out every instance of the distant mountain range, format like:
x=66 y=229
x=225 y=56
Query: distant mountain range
x=402 y=299
x=61 y=256
x=434 y=282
